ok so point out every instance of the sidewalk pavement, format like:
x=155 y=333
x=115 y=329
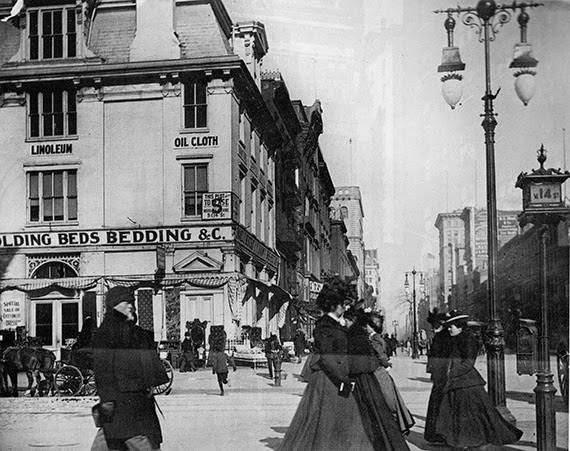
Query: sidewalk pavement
x=253 y=415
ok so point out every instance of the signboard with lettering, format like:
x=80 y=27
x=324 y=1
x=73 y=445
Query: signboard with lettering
x=11 y=312
x=545 y=193
x=110 y=237
x=181 y=142
x=480 y=238
x=217 y=206
x=51 y=149
x=161 y=257
x=253 y=246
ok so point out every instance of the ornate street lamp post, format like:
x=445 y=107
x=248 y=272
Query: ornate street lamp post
x=487 y=17
x=413 y=273
x=543 y=206
x=395 y=324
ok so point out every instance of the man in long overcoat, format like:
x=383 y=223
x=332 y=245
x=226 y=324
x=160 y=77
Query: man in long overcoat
x=126 y=366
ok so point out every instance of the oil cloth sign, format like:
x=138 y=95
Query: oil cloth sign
x=113 y=237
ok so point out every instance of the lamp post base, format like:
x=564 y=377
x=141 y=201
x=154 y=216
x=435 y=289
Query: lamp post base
x=545 y=413
x=495 y=345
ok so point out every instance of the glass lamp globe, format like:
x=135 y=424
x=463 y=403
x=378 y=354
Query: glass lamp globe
x=525 y=85
x=452 y=89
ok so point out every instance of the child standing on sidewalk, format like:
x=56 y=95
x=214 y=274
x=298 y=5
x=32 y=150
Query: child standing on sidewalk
x=220 y=361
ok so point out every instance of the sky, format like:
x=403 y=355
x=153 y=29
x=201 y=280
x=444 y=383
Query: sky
x=373 y=64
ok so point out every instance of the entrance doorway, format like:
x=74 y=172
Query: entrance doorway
x=55 y=321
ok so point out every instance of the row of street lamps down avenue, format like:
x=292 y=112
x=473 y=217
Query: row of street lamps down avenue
x=414 y=273
x=487 y=17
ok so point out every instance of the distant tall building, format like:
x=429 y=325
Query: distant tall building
x=348 y=201
x=475 y=220
x=451 y=243
x=463 y=257
x=372 y=273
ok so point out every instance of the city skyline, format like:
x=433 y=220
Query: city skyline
x=386 y=127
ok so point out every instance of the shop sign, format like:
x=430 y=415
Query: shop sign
x=253 y=245
x=115 y=237
x=217 y=206
x=161 y=257
x=51 y=149
x=314 y=289
x=182 y=142
x=11 y=313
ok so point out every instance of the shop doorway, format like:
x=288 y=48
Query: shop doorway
x=55 y=321
x=55 y=318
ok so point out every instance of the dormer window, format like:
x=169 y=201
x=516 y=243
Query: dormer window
x=52 y=34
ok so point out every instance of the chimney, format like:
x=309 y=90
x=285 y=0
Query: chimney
x=155 y=38
x=249 y=42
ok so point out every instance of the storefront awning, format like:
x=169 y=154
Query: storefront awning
x=37 y=286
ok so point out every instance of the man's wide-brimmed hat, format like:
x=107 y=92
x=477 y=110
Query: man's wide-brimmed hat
x=119 y=294
x=454 y=315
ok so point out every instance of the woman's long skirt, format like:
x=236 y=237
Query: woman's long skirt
x=432 y=415
x=467 y=418
x=326 y=421
x=394 y=400
x=380 y=425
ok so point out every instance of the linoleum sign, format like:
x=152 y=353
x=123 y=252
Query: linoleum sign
x=116 y=237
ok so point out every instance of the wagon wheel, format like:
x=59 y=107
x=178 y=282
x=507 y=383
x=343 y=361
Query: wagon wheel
x=165 y=388
x=562 y=364
x=89 y=388
x=68 y=381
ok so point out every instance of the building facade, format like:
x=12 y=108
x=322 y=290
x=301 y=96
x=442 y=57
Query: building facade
x=372 y=274
x=348 y=200
x=137 y=150
x=451 y=243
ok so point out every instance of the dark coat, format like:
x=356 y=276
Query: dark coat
x=437 y=366
x=220 y=361
x=126 y=366
x=467 y=417
x=331 y=347
x=324 y=420
x=440 y=349
x=461 y=372
x=379 y=346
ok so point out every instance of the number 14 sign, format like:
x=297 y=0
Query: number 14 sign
x=545 y=193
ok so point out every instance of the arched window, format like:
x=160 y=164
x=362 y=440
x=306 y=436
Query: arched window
x=54 y=270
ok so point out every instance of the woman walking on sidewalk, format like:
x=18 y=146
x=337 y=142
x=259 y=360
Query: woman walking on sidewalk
x=373 y=325
x=467 y=417
x=328 y=417
x=437 y=368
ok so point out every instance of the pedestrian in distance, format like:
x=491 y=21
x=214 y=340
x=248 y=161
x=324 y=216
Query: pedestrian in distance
x=467 y=417
x=437 y=364
x=299 y=344
x=188 y=354
x=328 y=417
x=220 y=361
x=394 y=344
x=389 y=350
x=272 y=349
x=373 y=324
x=126 y=367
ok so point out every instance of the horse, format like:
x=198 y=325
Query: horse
x=33 y=361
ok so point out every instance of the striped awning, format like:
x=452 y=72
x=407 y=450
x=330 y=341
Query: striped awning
x=30 y=285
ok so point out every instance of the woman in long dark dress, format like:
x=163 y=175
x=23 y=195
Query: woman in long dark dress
x=391 y=393
x=328 y=418
x=467 y=417
x=381 y=426
x=437 y=368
